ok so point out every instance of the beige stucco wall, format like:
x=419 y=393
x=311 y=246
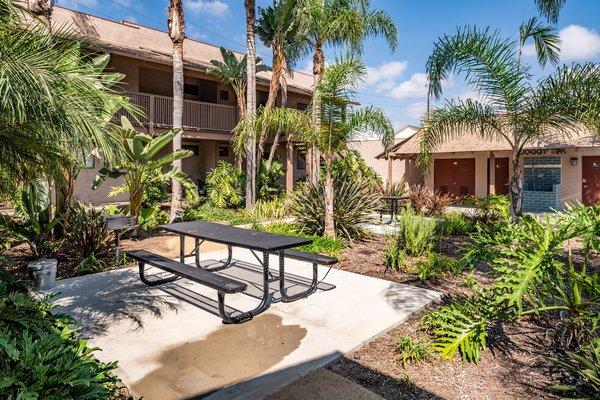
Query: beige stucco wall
x=369 y=149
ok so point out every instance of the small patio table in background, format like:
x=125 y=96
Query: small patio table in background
x=393 y=202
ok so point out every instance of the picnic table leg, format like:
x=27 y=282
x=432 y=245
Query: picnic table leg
x=264 y=302
x=227 y=262
x=153 y=282
x=182 y=249
x=197 y=252
x=117 y=246
x=282 y=290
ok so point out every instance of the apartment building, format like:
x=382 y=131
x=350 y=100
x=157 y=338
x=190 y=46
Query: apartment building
x=143 y=55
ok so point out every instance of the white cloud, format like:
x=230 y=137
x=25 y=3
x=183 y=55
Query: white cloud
x=215 y=8
x=578 y=43
x=416 y=110
x=386 y=72
x=415 y=87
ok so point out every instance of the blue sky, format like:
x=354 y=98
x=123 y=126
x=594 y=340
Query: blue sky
x=396 y=81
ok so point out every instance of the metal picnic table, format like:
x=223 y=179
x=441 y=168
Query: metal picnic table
x=258 y=243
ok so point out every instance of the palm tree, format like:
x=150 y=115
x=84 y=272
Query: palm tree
x=250 y=6
x=278 y=28
x=512 y=107
x=550 y=8
x=232 y=71
x=342 y=122
x=176 y=24
x=42 y=78
x=335 y=22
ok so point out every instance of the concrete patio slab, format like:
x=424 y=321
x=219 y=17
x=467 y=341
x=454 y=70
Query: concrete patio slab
x=170 y=345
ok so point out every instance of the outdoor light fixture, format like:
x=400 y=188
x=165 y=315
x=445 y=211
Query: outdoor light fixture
x=574 y=161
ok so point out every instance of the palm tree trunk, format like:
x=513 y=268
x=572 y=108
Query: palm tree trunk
x=284 y=94
x=516 y=188
x=312 y=155
x=177 y=33
x=250 y=6
x=329 y=224
x=272 y=98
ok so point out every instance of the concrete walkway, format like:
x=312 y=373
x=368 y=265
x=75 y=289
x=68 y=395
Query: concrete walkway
x=170 y=345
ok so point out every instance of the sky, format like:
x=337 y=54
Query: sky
x=396 y=82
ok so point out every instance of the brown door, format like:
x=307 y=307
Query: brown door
x=455 y=176
x=591 y=180
x=502 y=175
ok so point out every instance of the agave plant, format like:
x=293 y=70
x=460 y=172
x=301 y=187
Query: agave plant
x=140 y=163
x=354 y=205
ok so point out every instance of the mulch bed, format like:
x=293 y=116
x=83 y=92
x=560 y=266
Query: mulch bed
x=513 y=367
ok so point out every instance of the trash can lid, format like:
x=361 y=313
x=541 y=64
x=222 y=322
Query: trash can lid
x=42 y=264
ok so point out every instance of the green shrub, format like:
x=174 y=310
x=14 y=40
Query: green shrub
x=354 y=204
x=320 y=245
x=456 y=223
x=277 y=208
x=412 y=350
x=583 y=366
x=415 y=233
x=41 y=357
x=151 y=217
x=494 y=206
x=226 y=185
x=435 y=266
x=87 y=242
x=208 y=212
x=393 y=256
x=267 y=180
x=353 y=165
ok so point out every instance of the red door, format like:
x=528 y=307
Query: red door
x=454 y=176
x=590 y=190
x=501 y=175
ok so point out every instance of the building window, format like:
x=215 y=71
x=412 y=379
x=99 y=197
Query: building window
x=224 y=95
x=301 y=106
x=191 y=90
x=194 y=148
x=223 y=151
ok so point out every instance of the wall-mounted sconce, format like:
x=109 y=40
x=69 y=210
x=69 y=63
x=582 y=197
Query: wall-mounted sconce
x=574 y=161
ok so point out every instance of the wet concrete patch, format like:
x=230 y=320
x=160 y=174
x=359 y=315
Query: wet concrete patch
x=228 y=355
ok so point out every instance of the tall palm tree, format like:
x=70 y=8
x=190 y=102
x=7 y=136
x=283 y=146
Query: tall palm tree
x=42 y=78
x=278 y=28
x=176 y=25
x=512 y=107
x=342 y=122
x=232 y=71
x=250 y=6
x=339 y=22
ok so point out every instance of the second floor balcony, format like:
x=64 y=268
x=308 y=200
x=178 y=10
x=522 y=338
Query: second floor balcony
x=197 y=115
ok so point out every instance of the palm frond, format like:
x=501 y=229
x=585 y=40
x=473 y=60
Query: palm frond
x=489 y=63
x=545 y=39
x=550 y=8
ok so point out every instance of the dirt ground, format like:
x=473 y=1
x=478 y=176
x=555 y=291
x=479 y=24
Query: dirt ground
x=511 y=368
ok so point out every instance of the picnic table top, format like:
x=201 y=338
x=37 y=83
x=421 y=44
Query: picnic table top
x=394 y=197
x=238 y=237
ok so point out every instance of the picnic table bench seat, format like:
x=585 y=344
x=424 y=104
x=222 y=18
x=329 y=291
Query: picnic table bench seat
x=319 y=259
x=220 y=283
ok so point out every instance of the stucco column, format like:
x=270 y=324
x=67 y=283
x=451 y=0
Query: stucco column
x=492 y=176
x=289 y=166
x=390 y=165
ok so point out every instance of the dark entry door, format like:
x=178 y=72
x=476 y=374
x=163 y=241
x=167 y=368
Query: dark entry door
x=455 y=176
x=501 y=175
x=590 y=193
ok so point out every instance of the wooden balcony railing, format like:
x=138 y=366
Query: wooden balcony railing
x=197 y=115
